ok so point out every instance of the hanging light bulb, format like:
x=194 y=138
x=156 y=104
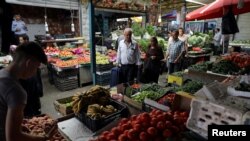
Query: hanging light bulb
x=72 y=27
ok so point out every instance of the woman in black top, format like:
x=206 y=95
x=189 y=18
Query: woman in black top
x=152 y=64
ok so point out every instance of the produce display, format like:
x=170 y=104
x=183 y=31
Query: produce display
x=240 y=59
x=179 y=74
x=83 y=60
x=153 y=126
x=67 y=63
x=243 y=86
x=241 y=42
x=101 y=59
x=51 y=50
x=201 y=67
x=139 y=97
x=167 y=100
x=154 y=87
x=95 y=95
x=41 y=125
x=97 y=111
x=199 y=40
x=225 y=67
x=190 y=87
x=64 y=54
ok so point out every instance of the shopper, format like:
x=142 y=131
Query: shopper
x=152 y=64
x=216 y=41
x=128 y=57
x=18 y=27
x=174 y=53
x=27 y=59
x=23 y=39
x=183 y=37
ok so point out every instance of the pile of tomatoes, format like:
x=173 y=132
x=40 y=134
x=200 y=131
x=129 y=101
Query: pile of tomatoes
x=154 y=126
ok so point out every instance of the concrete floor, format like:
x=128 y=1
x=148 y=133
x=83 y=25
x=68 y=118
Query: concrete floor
x=51 y=93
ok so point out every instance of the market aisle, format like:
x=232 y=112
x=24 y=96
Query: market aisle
x=51 y=93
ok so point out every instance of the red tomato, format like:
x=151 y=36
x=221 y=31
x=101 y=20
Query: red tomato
x=168 y=124
x=137 y=127
x=126 y=133
x=124 y=127
x=152 y=131
x=145 y=117
x=175 y=129
x=153 y=122
x=184 y=114
x=122 y=137
x=167 y=133
x=132 y=134
x=101 y=138
x=116 y=131
x=160 y=117
x=111 y=136
x=161 y=125
x=144 y=136
x=158 y=112
x=124 y=120
x=133 y=117
x=105 y=133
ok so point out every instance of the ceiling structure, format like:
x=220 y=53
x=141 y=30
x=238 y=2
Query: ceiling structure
x=169 y=5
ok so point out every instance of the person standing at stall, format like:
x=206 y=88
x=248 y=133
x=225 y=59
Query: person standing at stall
x=174 y=53
x=152 y=64
x=27 y=59
x=128 y=57
x=183 y=37
x=18 y=27
x=216 y=41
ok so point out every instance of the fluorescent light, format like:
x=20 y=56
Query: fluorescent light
x=197 y=2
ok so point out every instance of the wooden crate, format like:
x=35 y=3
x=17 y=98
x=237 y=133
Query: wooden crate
x=61 y=107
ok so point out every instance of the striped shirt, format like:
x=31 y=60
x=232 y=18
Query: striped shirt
x=128 y=54
x=175 y=49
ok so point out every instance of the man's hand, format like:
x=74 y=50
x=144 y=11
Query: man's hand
x=176 y=61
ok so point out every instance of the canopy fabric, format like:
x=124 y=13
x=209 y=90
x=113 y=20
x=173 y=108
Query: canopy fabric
x=171 y=14
x=217 y=9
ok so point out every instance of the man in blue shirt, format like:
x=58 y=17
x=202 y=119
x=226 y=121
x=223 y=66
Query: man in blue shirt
x=18 y=27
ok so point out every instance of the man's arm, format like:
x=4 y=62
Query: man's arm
x=13 y=126
x=138 y=55
x=182 y=51
x=118 y=57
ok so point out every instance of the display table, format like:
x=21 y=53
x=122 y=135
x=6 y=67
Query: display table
x=193 y=59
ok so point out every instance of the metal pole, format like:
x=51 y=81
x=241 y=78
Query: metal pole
x=91 y=13
x=80 y=17
x=184 y=15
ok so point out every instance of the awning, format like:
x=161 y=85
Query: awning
x=217 y=9
x=171 y=14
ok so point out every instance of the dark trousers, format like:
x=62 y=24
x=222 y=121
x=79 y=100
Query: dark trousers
x=128 y=72
x=174 y=67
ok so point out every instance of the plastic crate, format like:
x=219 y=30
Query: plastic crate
x=172 y=79
x=60 y=106
x=67 y=83
x=204 y=113
x=66 y=72
x=96 y=124
x=106 y=67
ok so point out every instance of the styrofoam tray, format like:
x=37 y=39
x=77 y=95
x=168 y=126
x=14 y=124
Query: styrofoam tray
x=204 y=113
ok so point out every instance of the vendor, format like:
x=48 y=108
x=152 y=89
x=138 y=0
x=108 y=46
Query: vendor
x=216 y=41
x=18 y=27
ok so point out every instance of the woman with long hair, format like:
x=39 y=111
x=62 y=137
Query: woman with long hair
x=152 y=64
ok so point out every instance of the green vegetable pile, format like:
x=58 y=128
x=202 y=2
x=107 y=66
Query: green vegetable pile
x=146 y=94
x=190 y=87
x=143 y=43
x=225 y=67
x=137 y=29
x=151 y=30
x=154 y=87
x=241 y=41
x=179 y=74
x=199 y=39
x=201 y=67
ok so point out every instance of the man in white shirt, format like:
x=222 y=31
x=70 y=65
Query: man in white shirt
x=216 y=40
x=19 y=27
x=128 y=56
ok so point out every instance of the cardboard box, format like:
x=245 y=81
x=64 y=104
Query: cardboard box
x=61 y=106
